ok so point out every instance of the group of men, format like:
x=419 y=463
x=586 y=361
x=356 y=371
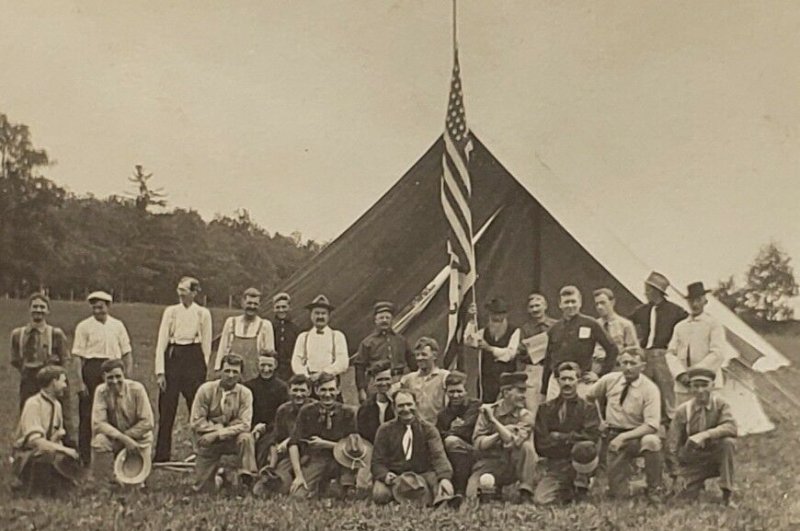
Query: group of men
x=607 y=393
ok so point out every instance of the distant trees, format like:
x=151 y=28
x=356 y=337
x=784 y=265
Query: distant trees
x=71 y=245
x=769 y=286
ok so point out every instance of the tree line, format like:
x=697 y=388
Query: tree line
x=132 y=246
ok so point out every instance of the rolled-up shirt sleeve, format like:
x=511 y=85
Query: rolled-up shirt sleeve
x=509 y=352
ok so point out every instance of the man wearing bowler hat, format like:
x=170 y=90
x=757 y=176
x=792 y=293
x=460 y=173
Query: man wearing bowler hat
x=655 y=324
x=498 y=344
x=320 y=349
x=702 y=437
x=503 y=439
x=383 y=344
x=698 y=342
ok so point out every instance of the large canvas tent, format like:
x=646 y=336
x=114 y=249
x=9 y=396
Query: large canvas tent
x=530 y=237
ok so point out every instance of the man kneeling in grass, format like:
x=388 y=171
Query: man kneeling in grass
x=702 y=437
x=121 y=418
x=222 y=413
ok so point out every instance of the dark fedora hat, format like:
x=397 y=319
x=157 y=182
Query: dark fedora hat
x=695 y=290
x=497 y=305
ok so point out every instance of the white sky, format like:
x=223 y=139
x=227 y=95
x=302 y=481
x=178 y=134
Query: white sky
x=678 y=121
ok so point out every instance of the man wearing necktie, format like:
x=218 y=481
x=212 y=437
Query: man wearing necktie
x=702 y=437
x=409 y=445
x=566 y=434
x=632 y=418
x=221 y=419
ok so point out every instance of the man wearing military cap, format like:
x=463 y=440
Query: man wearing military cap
x=503 y=439
x=320 y=349
x=703 y=437
x=382 y=344
x=286 y=333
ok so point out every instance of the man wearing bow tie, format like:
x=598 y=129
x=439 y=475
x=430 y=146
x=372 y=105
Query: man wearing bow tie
x=320 y=349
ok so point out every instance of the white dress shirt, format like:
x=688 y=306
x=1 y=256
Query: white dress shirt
x=698 y=341
x=183 y=326
x=108 y=340
x=320 y=350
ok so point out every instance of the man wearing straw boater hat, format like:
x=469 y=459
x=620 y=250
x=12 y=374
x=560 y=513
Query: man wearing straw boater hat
x=383 y=344
x=698 y=342
x=41 y=462
x=702 y=437
x=655 y=324
x=183 y=351
x=408 y=460
x=247 y=335
x=320 y=349
x=122 y=421
x=566 y=434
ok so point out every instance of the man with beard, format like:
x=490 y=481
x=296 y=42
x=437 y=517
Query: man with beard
x=98 y=338
x=319 y=426
x=37 y=345
x=632 y=417
x=383 y=344
x=38 y=453
x=409 y=444
x=247 y=335
x=427 y=381
x=503 y=440
x=279 y=462
x=121 y=418
x=285 y=334
x=703 y=437
x=182 y=354
x=566 y=434
x=377 y=408
x=269 y=392
x=574 y=338
x=499 y=345
x=222 y=414
x=321 y=349
x=455 y=423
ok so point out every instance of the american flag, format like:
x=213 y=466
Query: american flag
x=456 y=193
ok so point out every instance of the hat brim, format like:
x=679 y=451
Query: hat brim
x=313 y=305
x=122 y=474
x=586 y=468
x=68 y=467
x=656 y=286
x=349 y=462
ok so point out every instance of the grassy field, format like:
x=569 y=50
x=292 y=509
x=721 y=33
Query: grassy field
x=769 y=493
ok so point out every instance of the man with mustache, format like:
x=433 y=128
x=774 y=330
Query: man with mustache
x=221 y=418
x=427 y=381
x=703 y=437
x=503 y=440
x=121 y=418
x=97 y=338
x=37 y=345
x=320 y=349
x=533 y=357
x=286 y=333
x=269 y=392
x=566 y=434
x=319 y=426
x=632 y=417
x=247 y=335
x=455 y=423
x=377 y=408
x=285 y=418
x=408 y=444
x=383 y=344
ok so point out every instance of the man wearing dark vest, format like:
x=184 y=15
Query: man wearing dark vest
x=285 y=334
x=498 y=343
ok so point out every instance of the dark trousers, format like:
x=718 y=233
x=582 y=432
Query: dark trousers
x=92 y=377
x=185 y=371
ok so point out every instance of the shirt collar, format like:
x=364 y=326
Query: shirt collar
x=47 y=397
x=500 y=408
x=701 y=317
x=320 y=332
x=39 y=327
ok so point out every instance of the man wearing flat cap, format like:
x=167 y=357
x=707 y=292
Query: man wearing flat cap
x=498 y=344
x=383 y=344
x=97 y=338
x=703 y=437
x=320 y=349
x=655 y=324
x=183 y=352
x=503 y=439
x=286 y=333
x=698 y=342
x=247 y=335
x=567 y=435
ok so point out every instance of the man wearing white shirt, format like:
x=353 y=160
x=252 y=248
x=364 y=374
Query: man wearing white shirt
x=97 y=338
x=182 y=354
x=247 y=335
x=698 y=342
x=320 y=349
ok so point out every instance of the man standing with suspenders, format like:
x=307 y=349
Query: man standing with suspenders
x=320 y=349
x=247 y=335
x=182 y=355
